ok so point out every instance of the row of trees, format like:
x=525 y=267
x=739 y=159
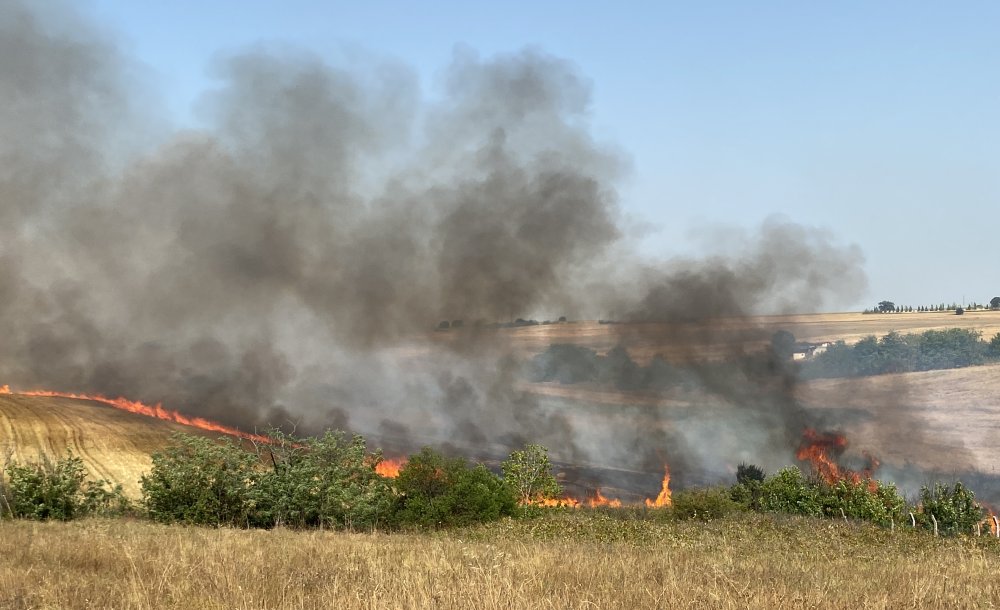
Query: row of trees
x=331 y=482
x=898 y=353
x=890 y=307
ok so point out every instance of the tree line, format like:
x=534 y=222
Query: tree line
x=332 y=481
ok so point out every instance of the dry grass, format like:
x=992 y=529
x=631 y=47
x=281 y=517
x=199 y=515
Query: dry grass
x=561 y=561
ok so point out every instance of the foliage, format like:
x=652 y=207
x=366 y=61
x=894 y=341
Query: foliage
x=528 y=472
x=59 y=490
x=327 y=481
x=789 y=491
x=749 y=472
x=954 y=507
x=200 y=481
x=705 y=504
x=873 y=501
x=440 y=491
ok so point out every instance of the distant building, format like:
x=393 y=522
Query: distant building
x=806 y=351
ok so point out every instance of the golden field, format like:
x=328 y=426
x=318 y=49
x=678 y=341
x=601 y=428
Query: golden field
x=560 y=560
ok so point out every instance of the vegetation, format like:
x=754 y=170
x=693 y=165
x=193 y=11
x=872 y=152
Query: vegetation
x=528 y=472
x=565 y=559
x=56 y=490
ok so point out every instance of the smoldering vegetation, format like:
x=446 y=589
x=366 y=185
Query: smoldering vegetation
x=283 y=263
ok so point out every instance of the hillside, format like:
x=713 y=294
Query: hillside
x=114 y=445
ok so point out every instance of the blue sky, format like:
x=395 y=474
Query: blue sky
x=876 y=121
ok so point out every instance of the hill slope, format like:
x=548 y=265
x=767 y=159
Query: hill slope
x=115 y=445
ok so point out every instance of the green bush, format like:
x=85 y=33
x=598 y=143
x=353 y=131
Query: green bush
x=704 y=504
x=327 y=481
x=200 y=481
x=788 y=491
x=439 y=491
x=528 y=473
x=58 y=490
x=954 y=507
x=870 y=501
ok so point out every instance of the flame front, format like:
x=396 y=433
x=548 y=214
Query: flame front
x=663 y=499
x=390 y=467
x=599 y=500
x=156 y=411
x=821 y=450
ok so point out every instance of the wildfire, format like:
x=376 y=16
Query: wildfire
x=821 y=450
x=663 y=499
x=390 y=467
x=599 y=500
x=157 y=411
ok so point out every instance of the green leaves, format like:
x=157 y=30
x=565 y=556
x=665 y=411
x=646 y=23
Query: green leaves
x=59 y=490
x=528 y=473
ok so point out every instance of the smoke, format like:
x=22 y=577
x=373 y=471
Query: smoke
x=285 y=263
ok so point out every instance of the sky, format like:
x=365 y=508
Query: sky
x=877 y=122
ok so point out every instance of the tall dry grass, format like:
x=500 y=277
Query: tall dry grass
x=560 y=561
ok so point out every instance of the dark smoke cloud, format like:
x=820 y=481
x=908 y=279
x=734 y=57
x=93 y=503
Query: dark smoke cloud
x=284 y=263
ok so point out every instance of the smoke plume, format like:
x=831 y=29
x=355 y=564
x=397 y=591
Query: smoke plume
x=287 y=261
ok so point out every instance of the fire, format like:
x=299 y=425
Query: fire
x=821 y=450
x=390 y=467
x=600 y=500
x=565 y=502
x=157 y=411
x=663 y=499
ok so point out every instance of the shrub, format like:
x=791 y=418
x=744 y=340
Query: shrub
x=199 y=481
x=59 y=490
x=439 y=491
x=788 y=491
x=528 y=473
x=704 y=504
x=746 y=473
x=955 y=508
x=867 y=500
x=325 y=481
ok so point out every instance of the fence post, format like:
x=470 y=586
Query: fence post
x=996 y=526
x=935 y=524
x=913 y=521
x=844 y=515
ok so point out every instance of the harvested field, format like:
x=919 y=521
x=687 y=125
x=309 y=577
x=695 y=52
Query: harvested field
x=114 y=444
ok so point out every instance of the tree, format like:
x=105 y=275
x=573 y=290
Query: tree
x=995 y=303
x=749 y=472
x=528 y=472
x=886 y=307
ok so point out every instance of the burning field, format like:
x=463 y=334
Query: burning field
x=286 y=263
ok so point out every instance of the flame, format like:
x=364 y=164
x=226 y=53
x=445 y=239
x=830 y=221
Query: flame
x=600 y=500
x=565 y=502
x=157 y=411
x=663 y=499
x=390 y=467
x=821 y=450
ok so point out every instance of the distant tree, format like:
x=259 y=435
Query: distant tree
x=749 y=472
x=444 y=325
x=886 y=306
x=959 y=311
x=995 y=303
x=563 y=318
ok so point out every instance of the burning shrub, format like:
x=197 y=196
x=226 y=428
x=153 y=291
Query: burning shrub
x=59 y=490
x=440 y=491
x=199 y=481
x=955 y=508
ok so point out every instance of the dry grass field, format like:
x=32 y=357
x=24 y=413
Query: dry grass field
x=584 y=560
x=114 y=445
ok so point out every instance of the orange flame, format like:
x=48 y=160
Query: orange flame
x=5 y=389
x=600 y=500
x=821 y=450
x=157 y=411
x=663 y=499
x=565 y=502
x=390 y=467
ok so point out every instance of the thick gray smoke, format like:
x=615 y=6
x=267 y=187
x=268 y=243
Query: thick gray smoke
x=286 y=262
